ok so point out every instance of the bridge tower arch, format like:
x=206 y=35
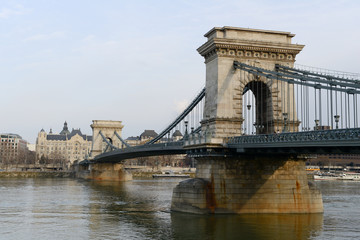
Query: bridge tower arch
x=257 y=108
x=106 y=128
x=223 y=113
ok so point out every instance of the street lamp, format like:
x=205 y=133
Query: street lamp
x=259 y=128
x=256 y=127
x=337 y=117
x=317 y=124
x=285 y=115
x=248 y=106
x=186 y=131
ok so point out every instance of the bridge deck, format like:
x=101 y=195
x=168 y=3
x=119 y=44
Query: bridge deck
x=340 y=141
x=119 y=155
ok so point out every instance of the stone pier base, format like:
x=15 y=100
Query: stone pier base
x=248 y=185
x=104 y=171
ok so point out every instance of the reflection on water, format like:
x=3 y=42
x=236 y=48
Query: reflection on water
x=147 y=207
x=260 y=226
x=74 y=209
x=131 y=210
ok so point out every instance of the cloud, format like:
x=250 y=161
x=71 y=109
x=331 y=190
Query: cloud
x=7 y=12
x=44 y=37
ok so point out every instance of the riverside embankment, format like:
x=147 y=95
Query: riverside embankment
x=137 y=173
x=26 y=174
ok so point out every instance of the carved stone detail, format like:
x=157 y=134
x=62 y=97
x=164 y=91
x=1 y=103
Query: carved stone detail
x=250 y=53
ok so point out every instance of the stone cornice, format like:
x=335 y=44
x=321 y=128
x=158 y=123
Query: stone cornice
x=213 y=30
x=246 y=48
x=249 y=45
x=107 y=126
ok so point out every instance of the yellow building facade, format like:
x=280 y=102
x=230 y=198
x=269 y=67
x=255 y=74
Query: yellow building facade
x=65 y=147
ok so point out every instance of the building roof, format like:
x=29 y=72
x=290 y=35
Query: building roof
x=133 y=138
x=77 y=131
x=66 y=135
x=10 y=135
x=65 y=129
x=177 y=133
x=74 y=132
x=148 y=134
x=56 y=137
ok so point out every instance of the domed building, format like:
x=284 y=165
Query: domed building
x=63 y=147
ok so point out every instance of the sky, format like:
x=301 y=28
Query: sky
x=136 y=61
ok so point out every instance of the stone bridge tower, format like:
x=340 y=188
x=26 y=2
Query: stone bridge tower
x=225 y=86
x=108 y=129
x=248 y=182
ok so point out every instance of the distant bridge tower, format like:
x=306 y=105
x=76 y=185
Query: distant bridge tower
x=107 y=129
x=225 y=86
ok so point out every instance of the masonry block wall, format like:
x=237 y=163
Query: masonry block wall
x=248 y=184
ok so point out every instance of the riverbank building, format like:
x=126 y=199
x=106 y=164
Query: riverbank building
x=65 y=147
x=13 y=148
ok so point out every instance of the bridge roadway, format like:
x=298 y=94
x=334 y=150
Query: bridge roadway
x=169 y=148
x=341 y=141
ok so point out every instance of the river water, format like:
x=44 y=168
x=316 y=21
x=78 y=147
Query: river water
x=140 y=209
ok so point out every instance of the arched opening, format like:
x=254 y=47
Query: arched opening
x=257 y=109
x=105 y=145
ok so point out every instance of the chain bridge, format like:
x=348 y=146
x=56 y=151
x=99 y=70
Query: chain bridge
x=252 y=126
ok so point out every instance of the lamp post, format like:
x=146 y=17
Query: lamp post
x=186 y=131
x=262 y=129
x=317 y=124
x=285 y=115
x=248 y=108
x=259 y=128
x=256 y=128
x=337 y=117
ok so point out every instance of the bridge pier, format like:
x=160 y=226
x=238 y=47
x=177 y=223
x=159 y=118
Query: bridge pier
x=248 y=184
x=103 y=171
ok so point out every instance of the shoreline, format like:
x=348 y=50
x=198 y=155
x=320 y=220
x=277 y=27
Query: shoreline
x=37 y=174
x=70 y=174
